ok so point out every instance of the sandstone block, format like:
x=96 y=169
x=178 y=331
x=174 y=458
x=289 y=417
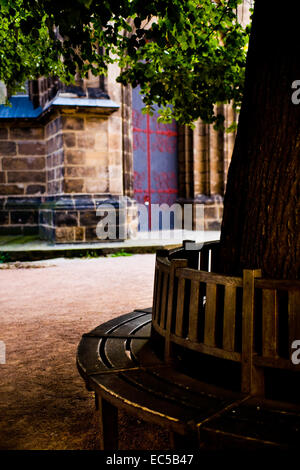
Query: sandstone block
x=89 y=218
x=75 y=157
x=31 y=148
x=3 y=133
x=59 y=173
x=26 y=177
x=79 y=234
x=58 y=158
x=11 y=189
x=54 y=126
x=31 y=133
x=96 y=123
x=35 y=189
x=55 y=143
x=73 y=123
x=66 y=219
x=74 y=185
x=115 y=141
x=7 y=148
x=64 y=234
x=31 y=163
x=97 y=186
x=78 y=171
x=86 y=140
x=69 y=139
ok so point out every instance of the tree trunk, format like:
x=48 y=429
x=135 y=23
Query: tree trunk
x=261 y=222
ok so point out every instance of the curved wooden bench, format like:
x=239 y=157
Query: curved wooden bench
x=247 y=320
x=118 y=363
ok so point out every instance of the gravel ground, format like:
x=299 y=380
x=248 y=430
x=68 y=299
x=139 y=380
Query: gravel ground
x=45 y=307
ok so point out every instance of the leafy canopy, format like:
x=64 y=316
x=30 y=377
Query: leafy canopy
x=187 y=53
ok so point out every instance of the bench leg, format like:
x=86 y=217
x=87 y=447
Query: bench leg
x=108 y=419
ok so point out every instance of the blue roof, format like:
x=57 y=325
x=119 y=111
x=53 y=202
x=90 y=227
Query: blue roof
x=22 y=106
x=94 y=102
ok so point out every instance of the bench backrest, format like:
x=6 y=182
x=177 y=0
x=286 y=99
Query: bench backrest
x=240 y=319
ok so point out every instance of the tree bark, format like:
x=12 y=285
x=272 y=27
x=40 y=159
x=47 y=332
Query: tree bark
x=261 y=222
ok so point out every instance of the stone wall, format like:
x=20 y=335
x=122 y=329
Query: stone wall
x=56 y=171
x=204 y=155
x=84 y=171
x=22 y=176
x=74 y=218
x=22 y=159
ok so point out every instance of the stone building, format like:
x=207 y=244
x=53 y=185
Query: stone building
x=63 y=153
x=68 y=152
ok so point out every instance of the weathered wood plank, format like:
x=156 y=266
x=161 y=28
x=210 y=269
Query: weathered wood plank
x=294 y=316
x=158 y=296
x=155 y=292
x=180 y=307
x=164 y=299
x=277 y=284
x=194 y=311
x=210 y=315
x=252 y=377
x=269 y=323
x=175 y=264
x=203 y=276
x=229 y=318
x=276 y=362
x=205 y=349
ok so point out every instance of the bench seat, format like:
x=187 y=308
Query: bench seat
x=117 y=362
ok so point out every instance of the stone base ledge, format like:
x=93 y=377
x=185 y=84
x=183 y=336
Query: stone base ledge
x=68 y=218
x=75 y=219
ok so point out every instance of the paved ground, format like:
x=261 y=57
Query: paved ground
x=44 y=309
x=143 y=240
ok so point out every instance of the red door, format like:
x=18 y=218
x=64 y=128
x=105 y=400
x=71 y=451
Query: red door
x=154 y=158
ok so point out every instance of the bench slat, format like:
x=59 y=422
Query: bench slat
x=210 y=315
x=158 y=298
x=294 y=315
x=180 y=307
x=197 y=406
x=114 y=324
x=154 y=313
x=175 y=263
x=164 y=300
x=115 y=348
x=269 y=323
x=255 y=421
x=88 y=358
x=194 y=311
x=229 y=318
x=145 y=405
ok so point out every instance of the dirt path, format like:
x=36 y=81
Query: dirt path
x=43 y=313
